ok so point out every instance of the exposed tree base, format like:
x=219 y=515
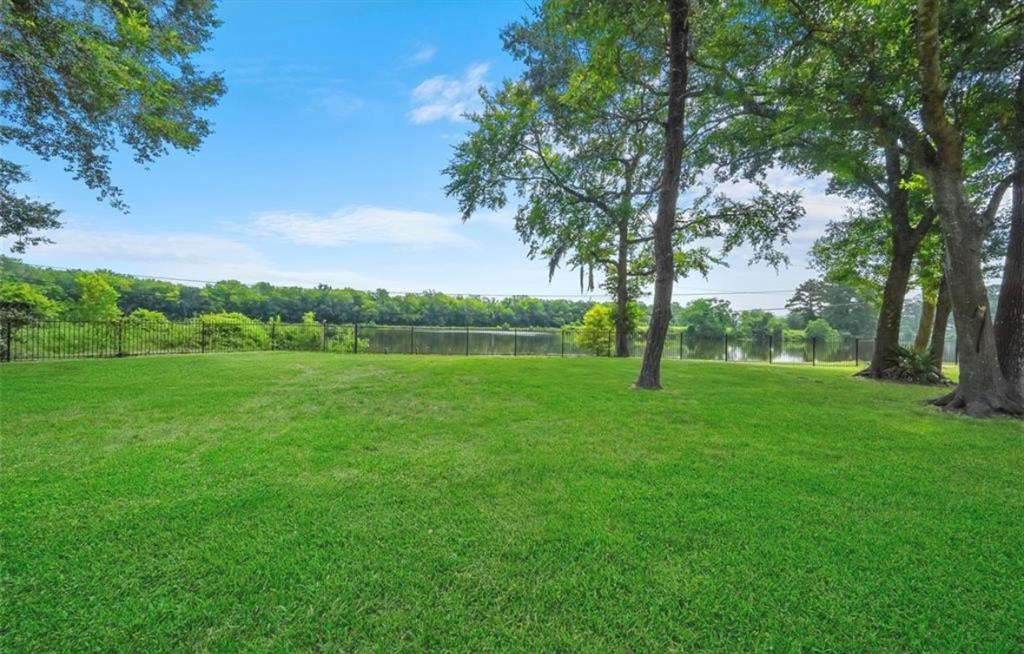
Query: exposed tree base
x=647 y=385
x=896 y=375
x=981 y=407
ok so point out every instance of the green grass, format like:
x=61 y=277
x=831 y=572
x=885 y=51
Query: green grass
x=321 y=502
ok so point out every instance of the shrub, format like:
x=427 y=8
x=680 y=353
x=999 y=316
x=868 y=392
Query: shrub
x=822 y=331
x=915 y=367
x=233 y=331
x=598 y=329
x=146 y=316
x=21 y=303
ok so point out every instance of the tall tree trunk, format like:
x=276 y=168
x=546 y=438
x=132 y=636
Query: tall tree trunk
x=1009 y=325
x=924 y=324
x=983 y=390
x=622 y=293
x=942 y=309
x=668 y=195
x=905 y=241
x=887 y=331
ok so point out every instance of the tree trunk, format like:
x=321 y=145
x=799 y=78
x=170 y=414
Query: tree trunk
x=1009 y=325
x=887 y=332
x=942 y=309
x=905 y=241
x=622 y=293
x=924 y=324
x=668 y=195
x=983 y=391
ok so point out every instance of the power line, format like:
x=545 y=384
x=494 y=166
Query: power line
x=557 y=296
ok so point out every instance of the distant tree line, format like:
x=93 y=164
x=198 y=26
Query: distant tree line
x=31 y=292
x=104 y=295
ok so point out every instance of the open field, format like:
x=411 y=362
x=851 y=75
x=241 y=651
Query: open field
x=304 y=501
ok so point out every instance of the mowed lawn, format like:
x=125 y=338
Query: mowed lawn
x=288 y=502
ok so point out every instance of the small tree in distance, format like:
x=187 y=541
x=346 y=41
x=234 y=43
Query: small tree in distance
x=598 y=329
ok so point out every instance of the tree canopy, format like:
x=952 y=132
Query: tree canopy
x=79 y=79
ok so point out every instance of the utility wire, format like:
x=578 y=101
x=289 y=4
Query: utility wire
x=560 y=296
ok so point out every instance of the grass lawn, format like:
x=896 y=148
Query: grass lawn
x=300 y=501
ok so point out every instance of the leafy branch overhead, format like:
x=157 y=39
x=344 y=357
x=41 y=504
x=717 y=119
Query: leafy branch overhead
x=77 y=80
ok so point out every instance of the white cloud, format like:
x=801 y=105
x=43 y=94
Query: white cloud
x=424 y=54
x=184 y=257
x=445 y=97
x=363 y=224
x=143 y=247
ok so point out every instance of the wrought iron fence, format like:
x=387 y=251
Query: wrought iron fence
x=74 y=339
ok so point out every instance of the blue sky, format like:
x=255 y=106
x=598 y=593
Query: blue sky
x=324 y=165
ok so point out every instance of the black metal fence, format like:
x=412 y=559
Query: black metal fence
x=71 y=339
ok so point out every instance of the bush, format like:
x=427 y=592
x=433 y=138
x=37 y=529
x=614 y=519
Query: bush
x=598 y=330
x=343 y=339
x=914 y=367
x=233 y=331
x=146 y=316
x=822 y=331
x=21 y=304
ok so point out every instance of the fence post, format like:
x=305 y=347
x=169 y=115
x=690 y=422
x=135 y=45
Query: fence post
x=120 y=338
x=467 y=340
x=771 y=347
x=355 y=341
x=563 y=341
x=202 y=337
x=814 y=350
x=324 y=326
x=515 y=341
x=727 y=346
x=7 y=340
x=412 y=339
x=856 y=352
x=608 y=346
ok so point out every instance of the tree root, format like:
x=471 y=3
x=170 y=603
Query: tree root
x=980 y=407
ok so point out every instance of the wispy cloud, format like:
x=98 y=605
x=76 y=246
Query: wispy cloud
x=363 y=224
x=145 y=247
x=338 y=104
x=424 y=54
x=444 y=97
x=184 y=256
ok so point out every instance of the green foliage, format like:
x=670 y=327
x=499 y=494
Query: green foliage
x=21 y=303
x=78 y=79
x=233 y=331
x=705 y=318
x=597 y=334
x=760 y=326
x=343 y=340
x=146 y=316
x=838 y=305
x=819 y=329
x=97 y=299
x=584 y=177
x=333 y=305
x=22 y=217
x=908 y=365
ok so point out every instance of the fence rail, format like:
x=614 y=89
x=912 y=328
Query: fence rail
x=71 y=339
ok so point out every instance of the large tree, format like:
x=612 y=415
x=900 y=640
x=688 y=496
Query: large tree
x=982 y=58
x=78 y=79
x=936 y=89
x=1009 y=324
x=585 y=174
